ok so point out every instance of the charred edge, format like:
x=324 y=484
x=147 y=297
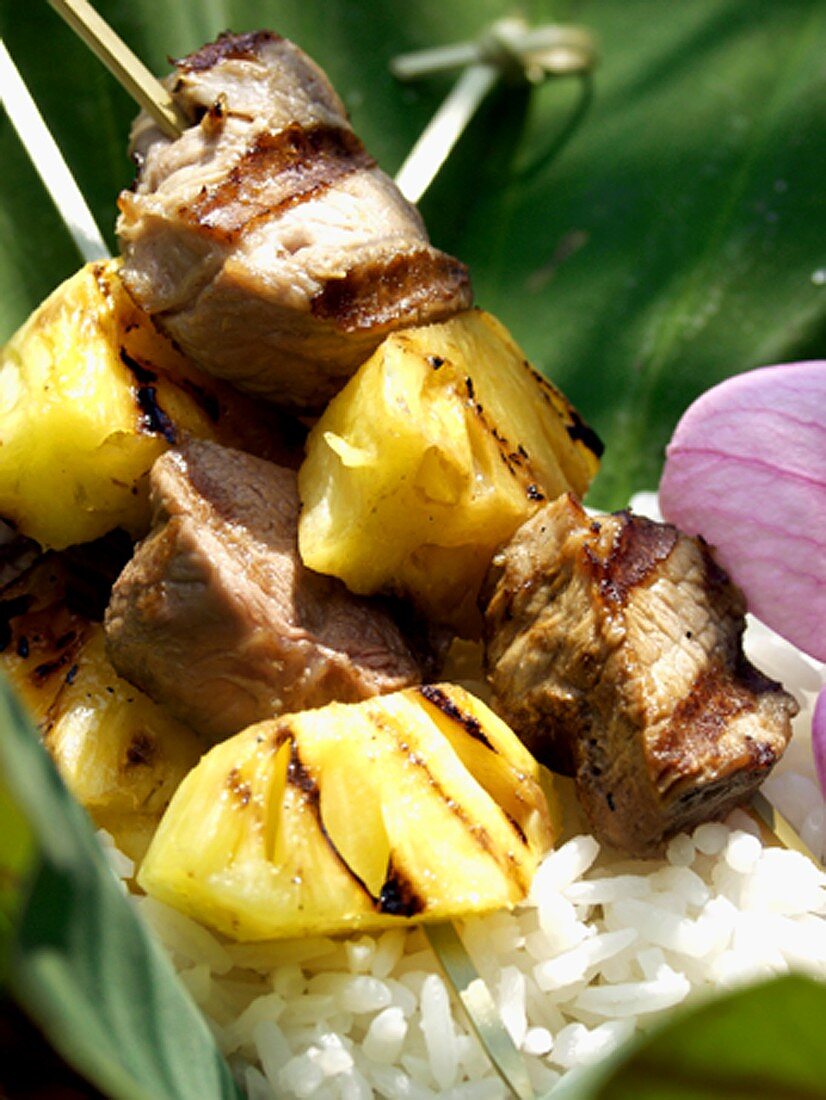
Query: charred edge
x=698 y=722
x=471 y=392
x=298 y=775
x=436 y=361
x=311 y=159
x=238 y=788
x=42 y=673
x=715 y=577
x=153 y=417
x=141 y=750
x=535 y=493
x=445 y=704
x=12 y=609
x=478 y=833
x=580 y=432
x=398 y=898
x=141 y=373
x=71 y=675
x=225 y=47
x=639 y=546
x=377 y=294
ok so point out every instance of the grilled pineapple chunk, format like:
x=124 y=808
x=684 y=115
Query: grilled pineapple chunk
x=118 y=752
x=41 y=635
x=421 y=804
x=440 y=446
x=90 y=394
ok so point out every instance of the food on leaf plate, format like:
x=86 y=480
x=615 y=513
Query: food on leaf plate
x=420 y=804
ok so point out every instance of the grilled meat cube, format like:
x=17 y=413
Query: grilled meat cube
x=216 y=617
x=613 y=646
x=265 y=240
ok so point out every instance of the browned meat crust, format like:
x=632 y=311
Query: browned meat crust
x=613 y=646
x=216 y=617
x=265 y=240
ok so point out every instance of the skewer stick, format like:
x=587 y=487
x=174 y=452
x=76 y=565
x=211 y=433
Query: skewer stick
x=509 y=48
x=128 y=69
x=480 y=1008
x=48 y=161
x=443 y=131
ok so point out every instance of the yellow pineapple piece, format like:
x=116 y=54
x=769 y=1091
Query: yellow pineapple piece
x=118 y=752
x=420 y=805
x=438 y=448
x=90 y=394
x=42 y=635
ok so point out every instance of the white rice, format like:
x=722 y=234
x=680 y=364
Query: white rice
x=601 y=948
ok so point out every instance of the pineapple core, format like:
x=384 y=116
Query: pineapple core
x=420 y=805
x=438 y=448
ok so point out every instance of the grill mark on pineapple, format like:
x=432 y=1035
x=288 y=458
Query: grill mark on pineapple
x=300 y=777
x=398 y=897
x=445 y=704
x=140 y=751
x=471 y=726
x=238 y=788
x=478 y=832
x=580 y=432
x=153 y=418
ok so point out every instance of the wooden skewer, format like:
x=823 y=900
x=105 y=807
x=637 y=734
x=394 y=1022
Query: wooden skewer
x=128 y=69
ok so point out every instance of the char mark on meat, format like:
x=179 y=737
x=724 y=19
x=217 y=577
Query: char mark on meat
x=613 y=646
x=265 y=240
x=216 y=617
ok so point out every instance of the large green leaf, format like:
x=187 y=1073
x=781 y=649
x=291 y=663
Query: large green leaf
x=81 y=963
x=643 y=236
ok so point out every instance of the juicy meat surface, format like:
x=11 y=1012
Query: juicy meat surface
x=613 y=647
x=216 y=617
x=265 y=240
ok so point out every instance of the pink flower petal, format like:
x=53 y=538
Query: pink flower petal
x=819 y=738
x=746 y=469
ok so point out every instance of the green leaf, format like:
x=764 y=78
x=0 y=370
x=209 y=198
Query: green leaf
x=765 y=1040
x=643 y=236
x=17 y=857
x=81 y=964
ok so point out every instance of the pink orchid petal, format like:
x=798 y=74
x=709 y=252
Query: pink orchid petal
x=819 y=738
x=746 y=469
